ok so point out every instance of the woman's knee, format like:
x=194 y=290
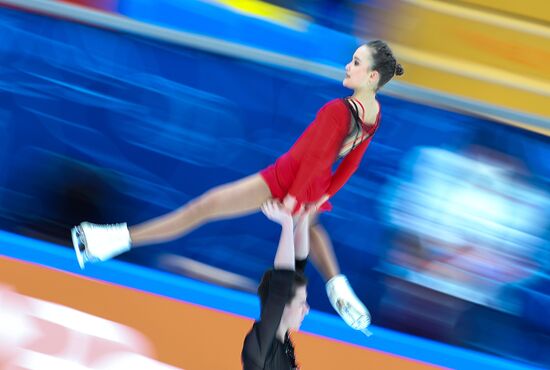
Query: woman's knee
x=235 y=197
x=215 y=200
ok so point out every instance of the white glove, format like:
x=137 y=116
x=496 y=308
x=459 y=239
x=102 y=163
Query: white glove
x=93 y=243
x=346 y=303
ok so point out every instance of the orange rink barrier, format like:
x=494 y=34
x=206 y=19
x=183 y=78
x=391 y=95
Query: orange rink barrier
x=184 y=335
x=115 y=313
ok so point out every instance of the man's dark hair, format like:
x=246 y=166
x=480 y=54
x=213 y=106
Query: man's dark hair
x=300 y=280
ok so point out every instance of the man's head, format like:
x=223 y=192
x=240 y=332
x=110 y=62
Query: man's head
x=296 y=308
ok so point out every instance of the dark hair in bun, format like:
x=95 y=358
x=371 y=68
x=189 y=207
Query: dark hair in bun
x=384 y=62
x=399 y=70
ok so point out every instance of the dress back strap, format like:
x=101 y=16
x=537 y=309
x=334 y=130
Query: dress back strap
x=362 y=109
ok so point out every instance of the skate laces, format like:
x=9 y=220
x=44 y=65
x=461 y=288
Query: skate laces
x=359 y=319
x=106 y=227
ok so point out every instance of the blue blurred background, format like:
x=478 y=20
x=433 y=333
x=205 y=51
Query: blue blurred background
x=443 y=231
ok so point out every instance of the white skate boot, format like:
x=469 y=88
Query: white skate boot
x=346 y=303
x=94 y=243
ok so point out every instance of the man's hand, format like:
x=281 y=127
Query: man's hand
x=275 y=211
x=290 y=203
x=303 y=218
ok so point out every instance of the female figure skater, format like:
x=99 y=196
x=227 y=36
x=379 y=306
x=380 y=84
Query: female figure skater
x=283 y=296
x=343 y=128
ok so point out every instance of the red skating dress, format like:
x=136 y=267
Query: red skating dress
x=305 y=171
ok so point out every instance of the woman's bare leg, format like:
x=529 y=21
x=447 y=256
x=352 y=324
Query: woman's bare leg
x=322 y=252
x=226 y=201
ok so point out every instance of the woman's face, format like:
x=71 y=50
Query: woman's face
x=358 y=72
x=296 y=309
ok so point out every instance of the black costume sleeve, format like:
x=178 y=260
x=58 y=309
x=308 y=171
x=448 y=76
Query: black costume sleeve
x=300 y=265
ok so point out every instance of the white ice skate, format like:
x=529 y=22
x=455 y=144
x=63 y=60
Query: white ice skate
x=94 y=243
x=346 y=303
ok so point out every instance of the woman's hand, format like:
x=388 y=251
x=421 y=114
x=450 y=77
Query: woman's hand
x=317 y=205
x=276 y=212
